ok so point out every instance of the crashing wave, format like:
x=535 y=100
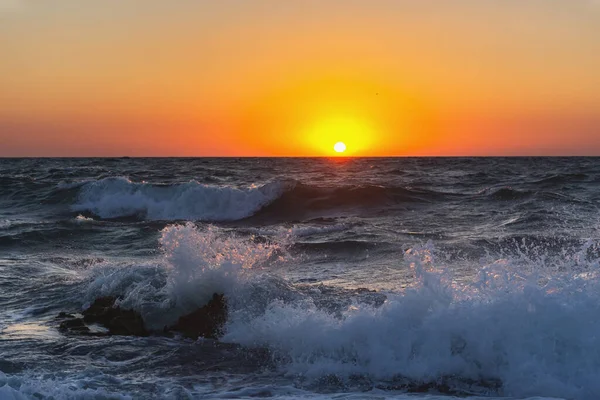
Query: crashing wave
x=522 y=326
x=517 y=328
x=119 y=197
x=195 y=264
x=278 y=200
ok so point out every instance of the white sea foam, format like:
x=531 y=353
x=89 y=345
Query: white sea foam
x=77 y=387
x=528 y=323
x=119 y=197
x=205 y=262
x=48 y=387
x=195 y=264
x=83 y=219
x=536 y=332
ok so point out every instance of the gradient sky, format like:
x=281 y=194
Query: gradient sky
x=287 y=78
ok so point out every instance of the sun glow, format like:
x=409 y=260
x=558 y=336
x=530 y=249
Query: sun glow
x=356 y=135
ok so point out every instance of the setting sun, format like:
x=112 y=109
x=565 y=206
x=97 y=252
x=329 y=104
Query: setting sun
x=324 y=134
x=339 y=147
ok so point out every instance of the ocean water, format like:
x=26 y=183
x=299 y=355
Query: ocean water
x=345 y=278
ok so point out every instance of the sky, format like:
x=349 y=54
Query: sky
x=292 y=78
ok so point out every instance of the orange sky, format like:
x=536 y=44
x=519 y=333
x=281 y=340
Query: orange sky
x=291 y=78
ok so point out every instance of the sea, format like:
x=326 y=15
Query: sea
x=345 y=278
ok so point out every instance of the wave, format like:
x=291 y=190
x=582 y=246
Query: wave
x=507 y=193
x=532 y=332
x=119 y=197
x=195 y=263
x=278 y=200
x=559 y=179
x=8 y=181
x=347 y=248
x=271 y=202
x=50 y=386
x=527 y=324
x=327 y=226
x=301 y=201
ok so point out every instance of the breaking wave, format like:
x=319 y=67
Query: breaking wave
x=119 y=197
x=195 y=263
x=523 y=326
x=278 y=200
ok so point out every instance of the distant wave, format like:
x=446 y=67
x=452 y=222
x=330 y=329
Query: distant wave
x=279 y=200
x=507 y=193
x=119 y=197
x=306 y=201
x=559 y=179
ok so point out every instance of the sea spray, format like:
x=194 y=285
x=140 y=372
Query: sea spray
x=537 y=334
x=195 y=263
x=200 y=263
x=502 y=302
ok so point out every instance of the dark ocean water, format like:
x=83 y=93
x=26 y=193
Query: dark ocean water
x=346 y=278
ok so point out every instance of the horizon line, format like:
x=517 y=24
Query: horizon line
x=325 y=157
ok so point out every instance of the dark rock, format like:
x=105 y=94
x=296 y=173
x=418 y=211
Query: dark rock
x=74 y=325
x=116 y=320
x=205 y=322
x=101 y=311
x=129 y=323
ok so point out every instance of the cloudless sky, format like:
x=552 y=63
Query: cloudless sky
x=289 y=78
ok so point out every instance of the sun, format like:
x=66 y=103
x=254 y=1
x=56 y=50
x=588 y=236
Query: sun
x=339 y=134
x=339 y=147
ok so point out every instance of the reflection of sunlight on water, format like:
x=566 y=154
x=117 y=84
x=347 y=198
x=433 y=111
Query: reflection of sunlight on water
x=28 y=330
x=340 y=160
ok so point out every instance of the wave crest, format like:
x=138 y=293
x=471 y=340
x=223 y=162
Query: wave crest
x=119 y=197
x=196 y=263
x=534 y=333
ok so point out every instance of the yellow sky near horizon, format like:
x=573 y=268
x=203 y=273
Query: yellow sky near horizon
x=391 y=77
